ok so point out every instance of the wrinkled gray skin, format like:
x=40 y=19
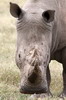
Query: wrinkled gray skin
x=41 y=37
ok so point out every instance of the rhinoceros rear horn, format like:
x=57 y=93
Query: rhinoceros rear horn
x=48 y=15
x=15 y=10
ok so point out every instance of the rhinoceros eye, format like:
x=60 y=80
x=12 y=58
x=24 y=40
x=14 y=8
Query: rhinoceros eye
x=19 y=56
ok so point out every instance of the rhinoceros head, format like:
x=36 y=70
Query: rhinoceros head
x=34 y=40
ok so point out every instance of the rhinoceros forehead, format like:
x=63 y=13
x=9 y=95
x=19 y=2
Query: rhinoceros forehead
x=32 y=20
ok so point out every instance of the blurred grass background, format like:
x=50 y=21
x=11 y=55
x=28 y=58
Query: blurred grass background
x=9 y=73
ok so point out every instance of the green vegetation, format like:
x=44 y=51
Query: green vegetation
x=9 y=73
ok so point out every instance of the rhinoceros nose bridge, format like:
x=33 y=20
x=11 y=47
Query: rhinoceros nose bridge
x=33 y=56
x=34 y=72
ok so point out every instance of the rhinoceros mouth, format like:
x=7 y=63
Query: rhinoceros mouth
x=32 y=90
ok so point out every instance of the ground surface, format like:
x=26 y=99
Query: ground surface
x=9 y=73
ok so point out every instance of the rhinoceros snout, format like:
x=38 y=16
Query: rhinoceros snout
x=33 y=73
x=34 y=81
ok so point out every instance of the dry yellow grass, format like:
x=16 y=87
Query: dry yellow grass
x=9 y=73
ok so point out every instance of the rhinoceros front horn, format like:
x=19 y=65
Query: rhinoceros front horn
x=15 y=10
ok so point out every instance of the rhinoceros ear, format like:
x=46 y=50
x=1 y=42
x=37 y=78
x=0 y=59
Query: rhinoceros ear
x=15 y=10
x=48 y=15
